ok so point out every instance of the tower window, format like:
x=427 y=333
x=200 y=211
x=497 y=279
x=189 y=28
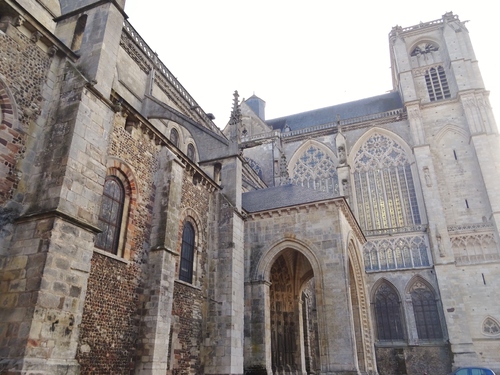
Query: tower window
x=187 y=253
x=437 y=85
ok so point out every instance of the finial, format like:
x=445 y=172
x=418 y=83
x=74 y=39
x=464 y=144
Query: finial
x=236 y=111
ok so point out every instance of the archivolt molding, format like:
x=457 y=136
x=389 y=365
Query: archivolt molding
x=356 y=263
x=117 y=167
x=266 y=261
x=189 y=212
x=449 y=128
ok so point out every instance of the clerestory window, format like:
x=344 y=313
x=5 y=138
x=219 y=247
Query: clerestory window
x=190 y=152
x=315 y=169
x=383 y=181
x=174 y=137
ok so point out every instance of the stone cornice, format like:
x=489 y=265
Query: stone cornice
x=339 y=202
x=56 y=213
x=89 y=7
x=55 y=45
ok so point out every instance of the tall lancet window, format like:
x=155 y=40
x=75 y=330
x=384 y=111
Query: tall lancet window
x=383 y=181
x=388 y=314
x=437 y=84
x=426 y=312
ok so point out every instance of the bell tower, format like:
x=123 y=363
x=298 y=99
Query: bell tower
x=455 y=139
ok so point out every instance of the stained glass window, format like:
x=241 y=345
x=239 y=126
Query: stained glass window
x=316 y=170
x=187 y=253
x=384 y=186
x=426 y=312
x=110 y=215
x=388 y=314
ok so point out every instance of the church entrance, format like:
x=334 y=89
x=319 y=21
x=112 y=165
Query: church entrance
x=294 y=335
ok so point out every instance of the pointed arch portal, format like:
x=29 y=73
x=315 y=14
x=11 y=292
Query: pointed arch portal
x=294 y=336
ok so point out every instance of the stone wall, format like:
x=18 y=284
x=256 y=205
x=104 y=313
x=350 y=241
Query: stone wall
x=189 y=305
x=110 y=325
x=414 y=360
x=23 y=71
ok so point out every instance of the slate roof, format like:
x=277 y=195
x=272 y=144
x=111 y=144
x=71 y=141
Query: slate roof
x=282 y=196
x=358 y=108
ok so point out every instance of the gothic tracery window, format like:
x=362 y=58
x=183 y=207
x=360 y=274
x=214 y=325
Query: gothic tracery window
x=388 y=314
x=437 y=84
x=491 y=327
x=384 y=186
x=408 y=251
x=315 y=169
x=424 y=48
x=426 y=312
x=110 y=215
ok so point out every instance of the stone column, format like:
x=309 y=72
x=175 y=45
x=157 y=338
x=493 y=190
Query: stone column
x=335 y=325
x=257 y=328
x=225 y=320
x=156 y=322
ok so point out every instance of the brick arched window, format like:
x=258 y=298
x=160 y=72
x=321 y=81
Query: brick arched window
x=388 y=314
x=187 y=253
x=426 y=312
x=111 y=215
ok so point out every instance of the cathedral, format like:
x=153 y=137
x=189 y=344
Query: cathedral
x=136 y=237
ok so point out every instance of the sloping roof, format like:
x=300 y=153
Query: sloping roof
x=358 y=108
x=282 y=196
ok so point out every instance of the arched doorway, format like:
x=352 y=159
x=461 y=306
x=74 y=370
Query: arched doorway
x=294 y=337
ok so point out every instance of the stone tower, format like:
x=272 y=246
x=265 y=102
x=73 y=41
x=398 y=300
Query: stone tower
x=454 y=137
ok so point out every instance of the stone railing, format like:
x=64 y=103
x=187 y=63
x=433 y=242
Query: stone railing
x=256 y=137
x=474 y=227
x=407 y=229
x=163 y=70
x=349 y=121
x=447 y=17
